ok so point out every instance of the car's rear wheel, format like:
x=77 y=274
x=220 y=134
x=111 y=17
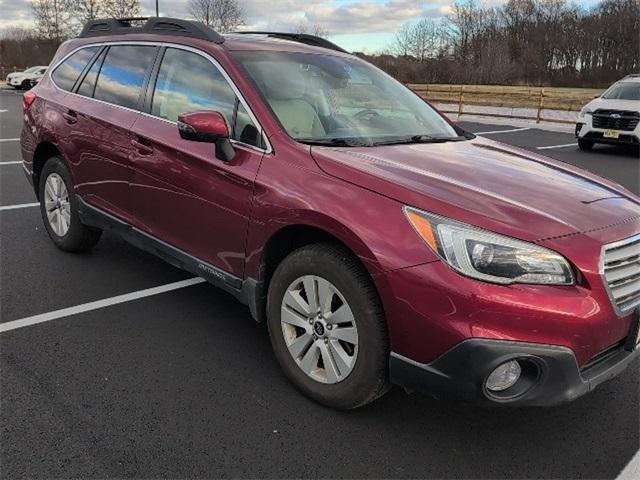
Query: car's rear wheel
x=585 y=144
x=59 y=208
x=327 y=327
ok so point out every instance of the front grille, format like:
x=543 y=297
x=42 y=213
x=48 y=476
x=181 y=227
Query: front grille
x=621 y=272
x=616 y=119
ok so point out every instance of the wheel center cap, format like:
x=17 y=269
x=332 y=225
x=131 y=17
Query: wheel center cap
x=319 y=329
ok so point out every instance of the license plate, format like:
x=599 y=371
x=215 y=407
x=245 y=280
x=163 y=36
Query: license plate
x=611 y=134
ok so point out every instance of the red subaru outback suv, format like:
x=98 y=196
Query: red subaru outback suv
x=380 y=242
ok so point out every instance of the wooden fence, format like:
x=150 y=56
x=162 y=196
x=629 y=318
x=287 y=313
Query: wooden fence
x=460 y=99
x=6 y=70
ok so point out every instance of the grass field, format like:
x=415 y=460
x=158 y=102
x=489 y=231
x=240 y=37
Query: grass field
x=551 y=98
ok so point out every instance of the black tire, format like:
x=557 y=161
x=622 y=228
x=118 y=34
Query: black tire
x=584 y=144
x=78 y=238
x=368 y=379
x=25 y=85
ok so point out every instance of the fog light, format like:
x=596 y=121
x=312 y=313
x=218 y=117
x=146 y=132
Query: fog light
x=503 y=377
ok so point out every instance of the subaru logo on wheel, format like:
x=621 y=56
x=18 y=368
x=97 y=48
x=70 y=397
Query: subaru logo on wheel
x=318 y=328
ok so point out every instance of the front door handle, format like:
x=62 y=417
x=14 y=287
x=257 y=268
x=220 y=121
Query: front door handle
x=71 y=117
x=142 y=148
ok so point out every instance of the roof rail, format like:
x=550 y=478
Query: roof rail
x=633 y=75
x=154 y=25
x=301 y=38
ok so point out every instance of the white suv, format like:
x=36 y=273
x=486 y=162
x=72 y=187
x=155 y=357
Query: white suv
x=27 y=79
x=613 y=117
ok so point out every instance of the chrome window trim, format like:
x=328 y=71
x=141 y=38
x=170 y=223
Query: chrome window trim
x=216 y=64
x=619 y=311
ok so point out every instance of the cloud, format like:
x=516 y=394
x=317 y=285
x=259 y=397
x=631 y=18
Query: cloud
x=345 y=18
x=336 y=16
x=341 y=17
x=15 y=13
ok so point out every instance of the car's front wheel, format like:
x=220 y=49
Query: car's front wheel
x=584 y=144
x=59 y=209
x=327 y=327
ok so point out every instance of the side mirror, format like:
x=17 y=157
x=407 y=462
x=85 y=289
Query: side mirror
x=209 y=127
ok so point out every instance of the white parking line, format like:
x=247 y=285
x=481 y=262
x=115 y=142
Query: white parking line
x=15 y=207
x=107 y=302
x=4 y=111
x=8 y=139
x=632 y=470
x=504 y=131
x=9 y=163
x=566 y=145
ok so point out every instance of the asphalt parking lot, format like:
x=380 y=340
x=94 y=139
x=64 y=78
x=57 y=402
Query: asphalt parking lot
x=184 y=384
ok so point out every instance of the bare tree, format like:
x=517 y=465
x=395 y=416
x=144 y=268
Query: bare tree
x=418 y=40
x=402 y=43
x=312 y=29
x=24 y=47
x=85 y=10
x=51 y=18
x=81 y=11
x=221 y=15
x=18 y=34
x=122 y=8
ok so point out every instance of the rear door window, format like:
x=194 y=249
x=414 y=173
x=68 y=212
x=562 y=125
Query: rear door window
x=123 y=74
x=66 y=74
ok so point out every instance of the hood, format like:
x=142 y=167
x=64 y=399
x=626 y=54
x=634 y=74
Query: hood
x=488 y=184
x=631 y=105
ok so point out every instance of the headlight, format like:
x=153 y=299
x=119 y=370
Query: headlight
x=586 y=111
x=488 y=256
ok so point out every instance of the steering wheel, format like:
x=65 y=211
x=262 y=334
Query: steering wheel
x=366 y=114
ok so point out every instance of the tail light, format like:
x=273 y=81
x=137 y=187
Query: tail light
x=27 y=100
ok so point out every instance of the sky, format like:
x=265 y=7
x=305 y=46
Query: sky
x=357 y=25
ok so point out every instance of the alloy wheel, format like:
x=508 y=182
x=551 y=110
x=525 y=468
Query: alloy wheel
x=319 y=329
x=57 y=205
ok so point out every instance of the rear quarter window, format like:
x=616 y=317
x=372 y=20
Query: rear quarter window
x=66 y=74
x=89 y=82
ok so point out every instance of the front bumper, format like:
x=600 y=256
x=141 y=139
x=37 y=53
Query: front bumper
x=551 y=374
x=585 y=130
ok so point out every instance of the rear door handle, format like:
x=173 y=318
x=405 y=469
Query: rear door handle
x=141 y=147
x=71 y=117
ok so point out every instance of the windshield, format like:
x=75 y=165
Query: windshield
x=31 y=70
x=623 y=91
x=325 y=99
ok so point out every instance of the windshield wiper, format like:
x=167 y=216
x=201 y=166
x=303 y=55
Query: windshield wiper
x=334 y=142
x=419 y=139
